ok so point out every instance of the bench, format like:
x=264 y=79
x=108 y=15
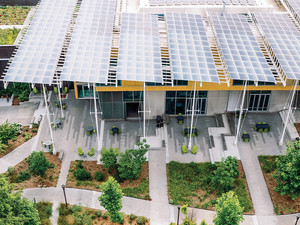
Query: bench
x=61 y=155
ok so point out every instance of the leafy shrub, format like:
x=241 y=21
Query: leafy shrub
x=109 y=158
x=8 y=36
x=45 y=212
x=82 y=174
x=105 y=215
x=82 y=218
x=141 y=220
x=99 y=213
x=25 y=175
x=99 y=176
x=9 y=131
x=117 y=217
x=2 y=147
x=268 y=163
x=130 y=163
x=38 y=164
x=132 y=217
x=28 y=136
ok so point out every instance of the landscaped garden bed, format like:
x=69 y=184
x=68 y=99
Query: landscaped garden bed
x=283 y=204
x=12 y=137
x=194 y=184
x=45 y=212
x=87 y=216
x=13 y=15
x=138 y=188
x=37 y=172
x=8 y=36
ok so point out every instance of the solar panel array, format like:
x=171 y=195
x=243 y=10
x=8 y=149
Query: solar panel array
x=37 y=56
x=190 y=54
x=284 y=40
x=88 y=56
x=200 y=2
x=139 y=57
x=242 y=53
x=295 y=4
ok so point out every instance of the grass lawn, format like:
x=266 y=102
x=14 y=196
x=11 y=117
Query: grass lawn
x=13 y=15
x=187 y=184
x=45 y=212
x=8 y=36
x=282 y=204
x=132 y=188
x=49 y=180
x=98 y=217
x=26 y=135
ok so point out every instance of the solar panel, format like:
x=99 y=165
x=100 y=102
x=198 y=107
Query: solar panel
x=190 y=54
x=200 y=2
x=284 y=40
x=242 y=54
x=295 y=4
x=37 y=56
x=139 y=57
x=88 y=55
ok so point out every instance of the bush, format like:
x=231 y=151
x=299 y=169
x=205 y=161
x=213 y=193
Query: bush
x=23 y=176
x=38 y=164
x=130 y=163
x=99 y=213
x=99 y=176
x=105 y=215
x=141 y=220
x=132 y=217
x=268 y=163
x=9 y=131
x=28 y=136
x=82 y=174
x=109 y=158
x=45 y=212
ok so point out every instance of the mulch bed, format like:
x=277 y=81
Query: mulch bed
x=94 y=185
x=50 y=179
x=13 y=144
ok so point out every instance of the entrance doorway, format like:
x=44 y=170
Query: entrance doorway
x=200 y=106
x=132 y=109
x=259 y=101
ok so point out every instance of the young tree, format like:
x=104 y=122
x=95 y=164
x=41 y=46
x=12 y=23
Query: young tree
x=287 y=174
x=38 y=164
x=111 y=199
x=228 y=209
x=15 y=209
x=109 y=158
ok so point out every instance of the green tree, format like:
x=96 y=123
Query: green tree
x=15 y=209
x=111 y=199
x=224 y=176
x=109 y=158
x=228 y=209
x=38 y=164
x=287 y=174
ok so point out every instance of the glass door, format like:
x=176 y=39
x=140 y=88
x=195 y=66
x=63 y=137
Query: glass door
x=259 y=101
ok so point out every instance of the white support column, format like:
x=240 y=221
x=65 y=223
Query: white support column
x=288 y=114
x=96 y=119
x=60 y=103
x=240 y=115
x=192 y=119
x=48 y=117
x=144 y=108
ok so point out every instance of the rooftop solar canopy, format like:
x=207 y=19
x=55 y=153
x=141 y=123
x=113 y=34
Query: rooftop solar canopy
x=190 y=54
x=200 y=2
x=284 y=39
x=139 y=57
x=242 y=54
x=295 y=4
x=38 y=54
x=88 y=55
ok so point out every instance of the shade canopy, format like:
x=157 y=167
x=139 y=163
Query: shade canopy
x=200 y=2
x=284 y=39
x=88 y=56
x=191 y=57
x=243 y=56
x=38 y=54
x=139 y=57
x=295 y=4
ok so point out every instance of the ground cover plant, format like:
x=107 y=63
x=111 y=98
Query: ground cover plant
x=79 y=215
x=12 y=135
x=283 y=204
x=31 y=173
x=195 y=184
x=13 y=15
x=20 y=91
x=45 y=212
x=8 y=36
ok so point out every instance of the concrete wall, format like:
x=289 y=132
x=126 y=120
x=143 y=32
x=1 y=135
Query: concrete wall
x=278 y=100
x=216 y=102
x=155 y=102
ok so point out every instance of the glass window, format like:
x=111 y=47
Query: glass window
x=180 y=83
x=170 y=94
